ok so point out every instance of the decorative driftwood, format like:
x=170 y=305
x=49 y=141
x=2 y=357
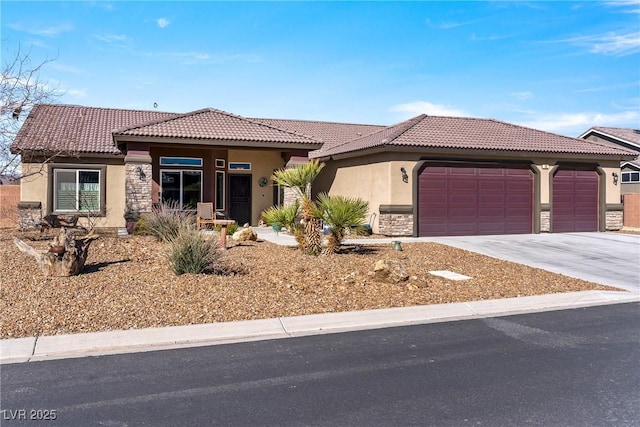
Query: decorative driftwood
x=66 y=255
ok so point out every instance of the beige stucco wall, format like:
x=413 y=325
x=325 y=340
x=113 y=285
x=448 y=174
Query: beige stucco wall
x=35 y=188
x=263 y=163
x=378 y=178
x=375 y=178
x=612 y=190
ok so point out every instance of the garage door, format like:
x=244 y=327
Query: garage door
x=471 y=200
x=575 y=201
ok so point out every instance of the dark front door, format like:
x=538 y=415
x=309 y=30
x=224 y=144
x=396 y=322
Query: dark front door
x=240 y=198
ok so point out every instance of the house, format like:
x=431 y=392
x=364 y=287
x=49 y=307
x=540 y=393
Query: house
x=621 y=137
x=425 y=176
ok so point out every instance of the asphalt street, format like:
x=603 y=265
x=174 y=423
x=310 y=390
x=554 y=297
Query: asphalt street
x=563 y=368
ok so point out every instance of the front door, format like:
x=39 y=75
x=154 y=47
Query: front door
x=240 y=198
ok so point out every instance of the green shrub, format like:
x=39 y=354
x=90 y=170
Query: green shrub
x=191 y=252
x=166 y=221
x=231 y=228
x=142 y=226
x=285 y=216
x=340 y=213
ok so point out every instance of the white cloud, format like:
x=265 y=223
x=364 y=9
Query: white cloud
x=610 y=44
x=46 y=31
x=522 y=96
x=76 y=93
x=67 y=68
x=633 y=4
x=190 y=58
x=423 y=107
x=162 y=22
x=577 y=122
x=110 y=38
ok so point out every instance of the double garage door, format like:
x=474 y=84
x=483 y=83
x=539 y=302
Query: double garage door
x=465 y=200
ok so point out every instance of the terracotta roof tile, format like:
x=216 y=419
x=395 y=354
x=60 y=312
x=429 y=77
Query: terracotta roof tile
x=626 y=134
x=330 y=133
x=470 y=134
x=77 y=129
x=211 y=124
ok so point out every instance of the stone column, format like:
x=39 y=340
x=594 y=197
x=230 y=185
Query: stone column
x=138 y=187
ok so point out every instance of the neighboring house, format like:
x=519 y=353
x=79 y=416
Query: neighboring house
x=426 y=176
x=621 y=137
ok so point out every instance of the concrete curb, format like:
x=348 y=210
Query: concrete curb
x=139 y=340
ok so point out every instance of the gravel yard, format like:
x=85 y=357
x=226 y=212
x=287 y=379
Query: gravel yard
x=128 y=283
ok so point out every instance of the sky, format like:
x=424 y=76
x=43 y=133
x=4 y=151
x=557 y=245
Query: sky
x=557 y=66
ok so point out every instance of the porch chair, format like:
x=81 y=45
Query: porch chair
x=205 y=214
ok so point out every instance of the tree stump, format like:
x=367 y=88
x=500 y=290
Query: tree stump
x=66 y=255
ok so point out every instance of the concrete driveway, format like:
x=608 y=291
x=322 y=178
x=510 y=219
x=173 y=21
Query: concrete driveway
x=605 y=258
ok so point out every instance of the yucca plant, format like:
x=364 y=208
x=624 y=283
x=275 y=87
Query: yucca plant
x=284 y=215
x=340 y=213
x=299 y=179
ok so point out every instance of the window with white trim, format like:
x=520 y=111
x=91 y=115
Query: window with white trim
x=183 y=187
x=220 y=181
x=77 y=190
x=630 y=177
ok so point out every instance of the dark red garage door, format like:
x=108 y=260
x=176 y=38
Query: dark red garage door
x=461 y=201
x=575 y=201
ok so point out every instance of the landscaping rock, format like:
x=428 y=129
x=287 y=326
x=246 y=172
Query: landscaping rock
x=390 y=271
x=244 y=235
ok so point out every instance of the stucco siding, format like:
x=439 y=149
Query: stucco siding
x=35 y=188
x=368 y=178
x=263 y=163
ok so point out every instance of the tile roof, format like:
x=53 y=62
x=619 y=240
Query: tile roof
x=470 y=134
x=626 y=134
x=328 y=132
x=212 y=124
x=77 y=129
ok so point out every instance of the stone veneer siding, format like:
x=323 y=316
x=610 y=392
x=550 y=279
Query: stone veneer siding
x=29 y=215
x=137 y=189
x=614 y=220
x=545 y=221
x=396 y=220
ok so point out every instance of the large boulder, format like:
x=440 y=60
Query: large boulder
x=390 y=271
x=244 y=235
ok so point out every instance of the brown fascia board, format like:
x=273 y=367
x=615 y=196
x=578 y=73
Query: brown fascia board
x=43 y=155
x=499 y=154
x=123 y=139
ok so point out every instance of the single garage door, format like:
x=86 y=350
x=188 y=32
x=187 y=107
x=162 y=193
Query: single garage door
x=474 y=200
x=575 y=201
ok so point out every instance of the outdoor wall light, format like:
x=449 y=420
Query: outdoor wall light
x=140 y=173
x=615 y=178
x=405 y=177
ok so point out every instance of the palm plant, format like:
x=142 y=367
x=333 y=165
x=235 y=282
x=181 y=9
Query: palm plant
x=299 y=179
x=284 y=215
x=340 y=213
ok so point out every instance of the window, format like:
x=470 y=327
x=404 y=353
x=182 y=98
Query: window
x=181 y=161
x=77 y=190
x=629 y=177
x=183 y=187
x=240 y=166
x=219 y=190
x=220 y=163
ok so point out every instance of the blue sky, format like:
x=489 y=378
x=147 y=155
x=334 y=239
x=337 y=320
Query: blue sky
x=557 y=66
